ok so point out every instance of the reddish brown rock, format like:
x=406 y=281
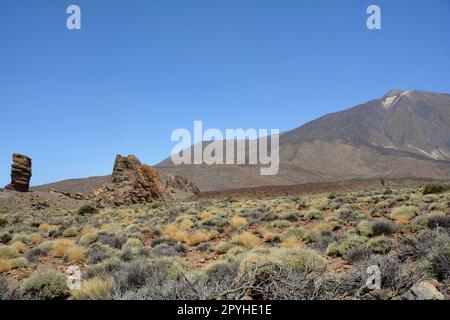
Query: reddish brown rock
x=180 y=184
x=125 y=168
x=132 y=183
x=20 y=173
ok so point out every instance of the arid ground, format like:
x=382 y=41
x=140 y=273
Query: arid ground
x=235 y=246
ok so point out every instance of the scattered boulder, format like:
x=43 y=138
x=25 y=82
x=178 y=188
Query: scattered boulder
x=176 y=184
x=20 y=173
x=424 y=290
x=132 y=183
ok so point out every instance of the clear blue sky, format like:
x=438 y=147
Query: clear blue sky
x=137 y=70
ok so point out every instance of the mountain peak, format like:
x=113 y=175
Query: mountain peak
x=390 y=98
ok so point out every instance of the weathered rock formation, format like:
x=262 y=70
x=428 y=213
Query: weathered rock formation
x=132 y=183
x=125 y=168
x=176 y=184
x=20 y=173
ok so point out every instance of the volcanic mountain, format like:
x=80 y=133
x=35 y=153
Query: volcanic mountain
x=402 y=134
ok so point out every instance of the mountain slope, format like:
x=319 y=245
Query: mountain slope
x=402 y=134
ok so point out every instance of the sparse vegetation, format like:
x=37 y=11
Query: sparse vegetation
x=435 y=188
x=46 y=285
x=87 y=209
x=306 y=247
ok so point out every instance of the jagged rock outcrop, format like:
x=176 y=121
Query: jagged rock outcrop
x=176 y=184
x=125 y=168
x=20 y=173
x=132 y=183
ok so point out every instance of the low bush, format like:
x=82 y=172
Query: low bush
x=88 y=239
x=313 y=214
x=223 y=247
x=94 y=289
x=75 y=254
x=438 y=221
x=365 y=228
x=8 y=252
x=5 y=265
x=46 y=285
x=435 y=188
x=383 y=227
x=3 y=222
x=221 y=269
x=19 y=246
x=419 y=223
x=282 y=224
x=59 y=247
x=404 y=214
x=350 y=243
x=380 y=244
x=167 y=250
x=437 y=263
x=87 y=209
x=111 y=240
x=70 y=232
x=299 y=260
x=97 y=253
x=245 y=239
x=358 y=254
x=20 y=237
x=237 y=221
x=34 y=253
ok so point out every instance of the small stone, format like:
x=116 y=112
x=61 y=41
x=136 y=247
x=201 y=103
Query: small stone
x=424 y=290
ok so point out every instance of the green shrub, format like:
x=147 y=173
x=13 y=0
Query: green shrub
x=385 y=204
x=438 y=221
x=404 y=213
x=20 y=262
x=365 y=228
x=314 y=214
x=438 y=207
x=87 y=209
x=297 y=259
x=70 y=232
x=299 y=233
x=88 y=239
x=224 y=247
x=300 y=259
x=47 y=285
x=8 y=252
x=419 y=223
x=381 y=244
x=350 y=243
x=435 y=188
x=20 y=237
x=383 y=227
x=3 y=221
x=46 y=246
x=437 y=263
x=281 y=224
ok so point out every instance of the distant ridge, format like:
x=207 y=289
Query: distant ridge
x=402 y=134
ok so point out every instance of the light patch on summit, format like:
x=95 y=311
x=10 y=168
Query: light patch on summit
x=405 y=93
x=387 y=103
